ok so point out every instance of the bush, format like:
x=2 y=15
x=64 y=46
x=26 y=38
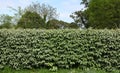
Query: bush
x=21 y=49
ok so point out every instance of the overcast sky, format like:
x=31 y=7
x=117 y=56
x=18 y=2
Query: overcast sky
x=64 y=7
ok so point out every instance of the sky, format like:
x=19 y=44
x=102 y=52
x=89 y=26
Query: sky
x=64 y=7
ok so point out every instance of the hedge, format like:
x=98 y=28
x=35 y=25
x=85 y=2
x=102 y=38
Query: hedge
x=31 y=48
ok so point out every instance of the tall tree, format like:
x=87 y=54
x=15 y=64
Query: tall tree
x=30 y=20
x=104 y=14
x=79 y=18
x=99 y=14
x=47 y=12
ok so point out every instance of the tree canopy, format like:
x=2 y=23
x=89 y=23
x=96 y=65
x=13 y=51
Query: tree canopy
x=99 y=14
x=5 y=21
x=44 y=10
x=30 y=20
x=104 y=14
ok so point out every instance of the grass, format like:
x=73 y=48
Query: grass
x=9 y=70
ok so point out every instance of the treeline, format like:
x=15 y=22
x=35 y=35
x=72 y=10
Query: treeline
x=97 y=14
x=36 y=15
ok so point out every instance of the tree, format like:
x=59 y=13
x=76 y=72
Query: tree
x=5 y=21
x=73 y=26
x=30 y=20
x=17 y=15
x=79 y=18
x=47 y=12
x=99 y=14
x=57 y=24
x=85 y=2
x=104 y=14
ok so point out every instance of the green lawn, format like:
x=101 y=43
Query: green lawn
x=9 y=70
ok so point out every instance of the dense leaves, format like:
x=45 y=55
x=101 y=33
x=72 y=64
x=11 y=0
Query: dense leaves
x=46 y=11
x=60 y=48
x=30 y=20
x=104 y=14
x=5 y=21
x=98 y=14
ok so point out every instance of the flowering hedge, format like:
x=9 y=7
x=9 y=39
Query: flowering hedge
x=21 y=49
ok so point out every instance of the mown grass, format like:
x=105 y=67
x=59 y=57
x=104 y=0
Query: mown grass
x=9 y=70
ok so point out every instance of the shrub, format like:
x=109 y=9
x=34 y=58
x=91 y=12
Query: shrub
x=21 y=49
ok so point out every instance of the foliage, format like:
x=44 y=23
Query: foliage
x=47 y=12
x=5 y=21
x=30 y=20
x=28 y=49
x=73 y=26
x=59 y=24
x=79 y=18
x=85 y=2
x=104 y=14
x=17 y=14
x=42 y=10
x=33 y=20
x=99 y=14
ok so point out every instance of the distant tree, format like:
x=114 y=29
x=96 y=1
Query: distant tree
x=79 y=18
x=53 y=24
x=30 y=20
x=17 y=14
x=56 y=24
x=73 y=26
x=5 y=21
x=59 y=24
x=63 y=24
x=47 y=12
